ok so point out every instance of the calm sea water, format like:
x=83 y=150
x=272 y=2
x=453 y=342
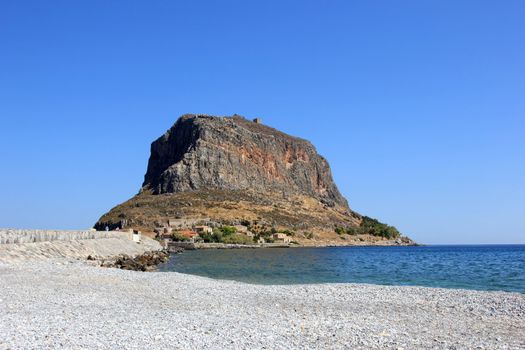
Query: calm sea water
x=487 y=267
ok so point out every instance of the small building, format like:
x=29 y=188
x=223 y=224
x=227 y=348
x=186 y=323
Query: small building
x=188 y=234
x=261 y=240
x=203 y=229
x=281 y=237
x=166 y=238
x=136 y=236
x=257 y=120
x=164 y=235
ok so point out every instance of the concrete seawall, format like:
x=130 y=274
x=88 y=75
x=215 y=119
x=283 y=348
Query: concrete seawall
x=22 y=245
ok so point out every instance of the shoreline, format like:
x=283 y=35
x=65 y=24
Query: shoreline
x=197 y=246
x=75 y=305
x=52 y=296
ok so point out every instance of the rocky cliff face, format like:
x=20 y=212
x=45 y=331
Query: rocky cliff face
x=205 y=152
x=230 y=170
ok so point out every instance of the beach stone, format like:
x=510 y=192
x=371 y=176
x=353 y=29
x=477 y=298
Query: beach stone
x=49 y=304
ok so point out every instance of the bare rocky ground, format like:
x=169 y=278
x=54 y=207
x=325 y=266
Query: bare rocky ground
x=59 y=303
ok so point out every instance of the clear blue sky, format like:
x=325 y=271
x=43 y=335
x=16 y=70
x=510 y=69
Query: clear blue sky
x=419 y=106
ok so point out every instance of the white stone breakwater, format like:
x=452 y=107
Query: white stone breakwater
x=12 y=236
x=24 y=245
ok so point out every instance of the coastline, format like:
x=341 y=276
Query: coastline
x=193 y=246
x=54 y=295
x=74 y=305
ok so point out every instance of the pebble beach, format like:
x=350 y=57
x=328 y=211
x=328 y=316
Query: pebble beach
x=61 y=303
x=54 y=294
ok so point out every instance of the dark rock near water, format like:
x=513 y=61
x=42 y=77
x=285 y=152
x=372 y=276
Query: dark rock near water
x=145 y=262
x=173 y=249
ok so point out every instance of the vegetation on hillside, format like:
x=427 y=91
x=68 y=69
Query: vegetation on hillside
x=225 y=234
x=237 y=239
x=177 y=237
x=145 y=211
x=370 y=226
x=225 y=230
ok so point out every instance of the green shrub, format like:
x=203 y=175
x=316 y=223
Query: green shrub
x=236 y=239
x=288 y=232
x=177 y=237
x=340 y=230
x=376 y=228
x=266 y=234
x=370 y=226
x=352 y=230
x=227 y=230
x=210 y=238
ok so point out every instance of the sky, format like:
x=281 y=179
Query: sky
x=419 y=106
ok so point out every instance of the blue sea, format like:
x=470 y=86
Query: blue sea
x=480 y=267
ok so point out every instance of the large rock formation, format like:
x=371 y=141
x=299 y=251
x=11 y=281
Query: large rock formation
x=204 y=152
x=233 y=170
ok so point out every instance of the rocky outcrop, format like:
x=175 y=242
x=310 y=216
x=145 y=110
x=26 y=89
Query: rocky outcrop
x=205 y=152
x=145 y=262
x=231 y=170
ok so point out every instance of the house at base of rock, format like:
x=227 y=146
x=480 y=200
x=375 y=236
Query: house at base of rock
x=243 y=230
x=203 y=229
x=188 y=234
x=281 y=237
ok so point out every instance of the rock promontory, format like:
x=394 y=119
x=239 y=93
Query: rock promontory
x=205 y=152
x=234 y=171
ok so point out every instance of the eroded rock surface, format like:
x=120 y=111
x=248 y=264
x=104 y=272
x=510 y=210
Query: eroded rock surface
x=205 y=152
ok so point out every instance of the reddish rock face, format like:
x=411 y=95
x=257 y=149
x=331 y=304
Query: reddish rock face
x=231 y=153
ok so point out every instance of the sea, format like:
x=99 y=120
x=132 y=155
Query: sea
x=477 y=267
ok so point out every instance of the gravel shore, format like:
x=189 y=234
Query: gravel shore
x=68 y=304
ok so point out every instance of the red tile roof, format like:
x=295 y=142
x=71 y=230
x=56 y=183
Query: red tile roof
x=188 y=233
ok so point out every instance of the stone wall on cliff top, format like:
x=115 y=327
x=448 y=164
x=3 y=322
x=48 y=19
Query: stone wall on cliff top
x=232 y=153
